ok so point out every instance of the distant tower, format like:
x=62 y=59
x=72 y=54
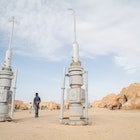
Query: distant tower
x=6 y=76
x=77 y=97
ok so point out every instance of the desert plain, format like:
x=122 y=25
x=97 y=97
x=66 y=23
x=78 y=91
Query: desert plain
x=104 y=124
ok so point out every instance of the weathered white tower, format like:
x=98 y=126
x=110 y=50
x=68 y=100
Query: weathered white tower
x=77 y=97
x=6 y=75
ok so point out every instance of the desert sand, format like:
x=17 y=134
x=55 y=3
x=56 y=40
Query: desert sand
x=104 y=124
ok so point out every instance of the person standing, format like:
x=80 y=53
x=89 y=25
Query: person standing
x=36 y=103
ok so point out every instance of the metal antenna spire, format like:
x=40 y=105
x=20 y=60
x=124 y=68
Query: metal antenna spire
x=11 y=35
x=75 y=52
x=74 y=16
x=7 y=62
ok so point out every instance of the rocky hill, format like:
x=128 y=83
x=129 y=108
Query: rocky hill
x=128 y=98
x=20 y=105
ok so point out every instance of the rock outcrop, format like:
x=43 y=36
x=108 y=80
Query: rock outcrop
x=20 y=105
x=49 y=105
x=108 y=101
x=129 y=98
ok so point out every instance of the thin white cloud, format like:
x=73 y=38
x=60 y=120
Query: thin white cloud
x=103 y=28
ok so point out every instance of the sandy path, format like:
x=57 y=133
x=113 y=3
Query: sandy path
x=103 y=125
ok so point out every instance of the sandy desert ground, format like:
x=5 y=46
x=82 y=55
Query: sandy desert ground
x=104 y=124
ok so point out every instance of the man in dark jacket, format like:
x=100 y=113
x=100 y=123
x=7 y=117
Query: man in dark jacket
x=36 y=102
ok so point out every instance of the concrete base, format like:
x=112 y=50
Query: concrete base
x=4 y=119
x=80 y=122
x=67 y=121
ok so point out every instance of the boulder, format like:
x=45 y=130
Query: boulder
x=130 y=97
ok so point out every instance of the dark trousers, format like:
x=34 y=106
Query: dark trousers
x=36 y=110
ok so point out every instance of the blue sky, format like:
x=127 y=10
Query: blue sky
x=107 y=32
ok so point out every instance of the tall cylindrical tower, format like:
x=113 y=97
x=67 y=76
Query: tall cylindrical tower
x=6 y=76
x=76 y=96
